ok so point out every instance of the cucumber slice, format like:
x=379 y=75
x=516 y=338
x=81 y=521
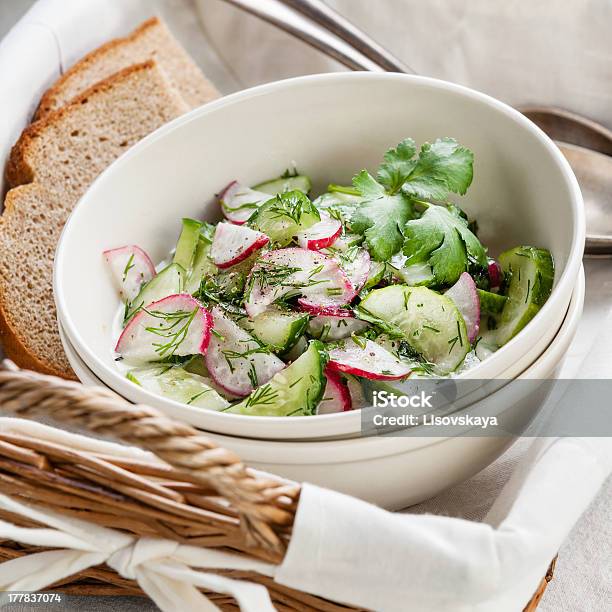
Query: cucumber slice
x=529 y=275
x=294 y=391
x=413 y=274
x=197 y=365
x=331 y=329
x=202 y=265
x=376 y=274
x=298 y=349
x=187 y=243
x=278 y=329
x=369 y=387
x=301 y=182
x=285 y=216
x=358 y=399
x=340 y=204
x=169 y=281
x=179 y=385
x=416 y=274
x=231 y=282
x=430 y=323
x=491 y=303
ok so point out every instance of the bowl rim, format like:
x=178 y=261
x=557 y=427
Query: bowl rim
x=564 y=283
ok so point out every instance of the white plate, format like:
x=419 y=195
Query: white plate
x=523 y=193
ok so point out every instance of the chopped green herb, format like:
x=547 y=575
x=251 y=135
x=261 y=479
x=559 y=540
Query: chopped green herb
x=128 y=266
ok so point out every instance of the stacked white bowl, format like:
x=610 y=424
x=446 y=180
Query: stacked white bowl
x=330 y=125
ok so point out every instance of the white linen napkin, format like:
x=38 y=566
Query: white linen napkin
x=350 y=551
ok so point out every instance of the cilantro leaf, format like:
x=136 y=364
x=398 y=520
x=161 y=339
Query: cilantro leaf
x=442 y=167
x=368 y=186
x=441 y=238
x=398 y=165
x=380 y=217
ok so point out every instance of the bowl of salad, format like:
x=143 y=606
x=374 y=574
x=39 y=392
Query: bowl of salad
x=274 y=253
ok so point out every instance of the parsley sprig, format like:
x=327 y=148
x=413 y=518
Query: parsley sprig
x=404 y=178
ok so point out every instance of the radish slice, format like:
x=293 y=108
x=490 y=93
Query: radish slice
x=322 y=234
x=330 y=329
x=175 y=325
x=344 y=243
x=238 y=202
x=496 y=274
x=465 y=296
x=367 y=359
x=131 y=267
x=234 y=243
x=336 y=397
x=357 y=267
x=292 y=272
x=354 y=260
x=233 y=360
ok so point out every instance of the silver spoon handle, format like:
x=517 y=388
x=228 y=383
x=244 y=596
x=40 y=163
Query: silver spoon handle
x=283 y=16
x=334 y=22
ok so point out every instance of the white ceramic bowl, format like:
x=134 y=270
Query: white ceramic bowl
x=331 y=125
x=395 y=472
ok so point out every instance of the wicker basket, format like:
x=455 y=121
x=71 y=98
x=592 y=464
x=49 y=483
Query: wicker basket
x=200 y=494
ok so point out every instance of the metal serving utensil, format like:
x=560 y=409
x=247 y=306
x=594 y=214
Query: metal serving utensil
x=586 y=144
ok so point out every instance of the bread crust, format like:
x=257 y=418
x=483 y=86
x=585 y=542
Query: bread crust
x=18 y=171
x=12 y=343
x=48 y=102
x=17 y=352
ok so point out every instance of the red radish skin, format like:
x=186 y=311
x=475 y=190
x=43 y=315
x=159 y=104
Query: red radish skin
x=235 y=195
x=465 y=296
x=319 y=279
x=496 y=274
x=371 y=361
x=234 y=243
x=137 y=344
x=322 y=234
x=235 y=379
x=323 y=310
x=336 y=397
x=131 y=267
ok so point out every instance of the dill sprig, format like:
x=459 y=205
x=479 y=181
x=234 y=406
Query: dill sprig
x=263 y=396
x=198 y=396
x=175 y=331
x=128 y=266
x=272 y=274
x=292 y=205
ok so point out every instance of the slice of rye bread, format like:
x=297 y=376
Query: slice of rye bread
x=59 y=156
x=151 y=40
x=65 y=150
x=29 y=228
